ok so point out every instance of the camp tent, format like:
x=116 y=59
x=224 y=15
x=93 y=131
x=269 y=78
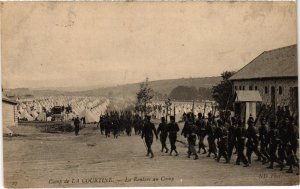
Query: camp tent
x=25 y=115
x=88 y=115
x=42 y=117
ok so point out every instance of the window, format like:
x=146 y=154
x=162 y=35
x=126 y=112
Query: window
x=240 y=87
x=280 y=90
x=266 y=90
x=243 y=87
x=235 y=87
x=255 y=88
x=250 y=88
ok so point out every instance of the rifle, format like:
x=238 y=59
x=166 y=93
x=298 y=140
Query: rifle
x=204 y=110
x=258 y=115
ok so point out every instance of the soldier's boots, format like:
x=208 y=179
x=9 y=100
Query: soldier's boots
x=176 y=153
x=270 y=166
x=167 y=150
x=152 y=155
x=290 y=170
x=247 y=165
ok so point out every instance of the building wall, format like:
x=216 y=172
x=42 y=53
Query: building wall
x=9 y=114
x=283 y=99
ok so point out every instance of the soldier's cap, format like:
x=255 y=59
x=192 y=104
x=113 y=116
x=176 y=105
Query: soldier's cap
x=163 y=118
x=200 y=114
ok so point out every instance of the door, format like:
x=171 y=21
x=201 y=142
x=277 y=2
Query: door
x=273 y=98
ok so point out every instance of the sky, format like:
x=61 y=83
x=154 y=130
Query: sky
x=79 y=44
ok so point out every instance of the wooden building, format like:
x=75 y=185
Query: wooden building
x=9 y=112
x=274 y=74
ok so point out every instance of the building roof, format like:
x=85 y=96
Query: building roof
x=277 y=63
x=247 y=96
x=9 y=101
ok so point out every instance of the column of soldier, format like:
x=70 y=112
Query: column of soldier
x=274 y=141
x=115 y=123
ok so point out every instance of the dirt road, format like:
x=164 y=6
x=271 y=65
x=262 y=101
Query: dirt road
x=65 y=160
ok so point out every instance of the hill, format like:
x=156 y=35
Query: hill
x=162 y=88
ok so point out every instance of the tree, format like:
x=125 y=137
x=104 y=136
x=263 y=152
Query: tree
x=144 y=97
x=222 y=93
x=184 y=93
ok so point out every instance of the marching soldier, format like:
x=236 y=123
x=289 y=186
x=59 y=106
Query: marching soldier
x=107 y=126
x=240 y=134
x=263 y=132
x=201 y=132
x=189 y=132
x=273 y=144
x=147 y=132
x=252 y=141
x=231 y=137
x=162 y=130
x=221 y=135
x=210 y=130
x=172 y=129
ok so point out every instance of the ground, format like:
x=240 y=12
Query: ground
x=37 y=159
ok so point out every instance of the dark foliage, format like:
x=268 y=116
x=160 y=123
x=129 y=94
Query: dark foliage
x=222 y=93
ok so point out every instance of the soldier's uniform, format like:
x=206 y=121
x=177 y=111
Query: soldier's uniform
x=222 y=137
x=273 y=138
x=291 y=159
x=163 y=134
x=240 y=134
x=172 y=129
x=189 y=132
x=284 y=138
x=115 y=127
x=252 y=141
x=107 y=126
x=210 y=130
x=201 y=132
x=263 y=132
x=231 y=137
x=77 y=124
x=147 y=132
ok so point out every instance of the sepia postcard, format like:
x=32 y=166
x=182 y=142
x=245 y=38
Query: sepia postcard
x=139 y=94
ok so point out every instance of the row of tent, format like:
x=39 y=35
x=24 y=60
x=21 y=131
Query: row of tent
x=89 y=107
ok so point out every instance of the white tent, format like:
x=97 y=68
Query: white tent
x=42 y=117
x=88 y=115
x=26 y=115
